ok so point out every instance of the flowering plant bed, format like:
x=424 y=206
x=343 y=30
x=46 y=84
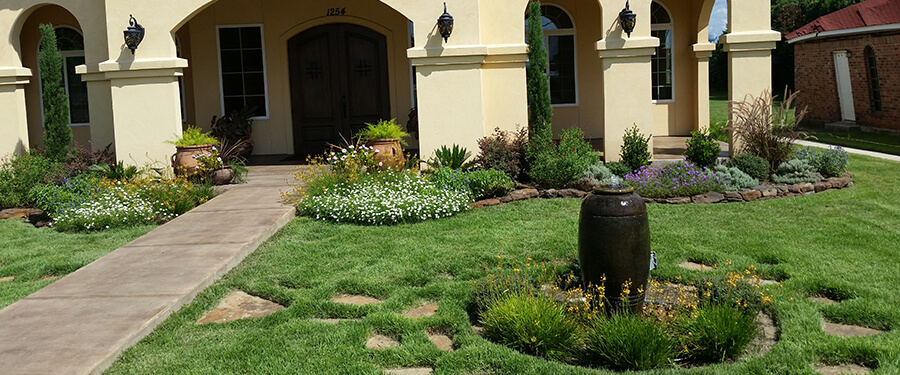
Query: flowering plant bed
x=764 y=191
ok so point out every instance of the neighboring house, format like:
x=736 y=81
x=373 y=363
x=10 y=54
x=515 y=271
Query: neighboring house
x=847 y=65
x=318 y=71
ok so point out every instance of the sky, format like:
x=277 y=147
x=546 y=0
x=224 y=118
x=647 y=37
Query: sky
x=718 y=20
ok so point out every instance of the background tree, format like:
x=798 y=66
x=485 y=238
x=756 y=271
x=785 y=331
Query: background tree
x=540 y=112
x=57 y=134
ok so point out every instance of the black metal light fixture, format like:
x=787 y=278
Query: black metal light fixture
x=134 y=34
x=628 y=19
x=445 y=24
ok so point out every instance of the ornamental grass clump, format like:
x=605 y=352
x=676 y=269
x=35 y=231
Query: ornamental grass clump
x=384 y=199
x=629 y=342
x=674 y=180
x=766 y=130
x=718 y=333
x=530 y=323
x=831 y=162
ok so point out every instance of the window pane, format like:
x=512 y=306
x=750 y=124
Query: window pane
x=229 y=38
x=251 y=37
x=232 y=84
x=661 y=65
x=77 y=90
x=234 y=104
x=561 y=51
x=68 y=39
x=254 y=84
x=259 y=102
x=253 y=60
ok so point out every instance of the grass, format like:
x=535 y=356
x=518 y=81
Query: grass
x=886 y=143
x=37 y=257
x=839 y=243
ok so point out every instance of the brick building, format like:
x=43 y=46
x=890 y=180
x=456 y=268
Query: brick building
x=847 y=66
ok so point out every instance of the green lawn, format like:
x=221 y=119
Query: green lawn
x=38 y=256
x=838 y=243
x=889 y=144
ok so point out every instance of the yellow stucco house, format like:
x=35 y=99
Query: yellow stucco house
x=318 y=70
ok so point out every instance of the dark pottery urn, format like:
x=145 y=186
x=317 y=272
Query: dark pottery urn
x=614 y=242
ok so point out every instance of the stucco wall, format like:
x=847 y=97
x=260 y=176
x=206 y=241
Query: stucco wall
x=281 y=21
x=815 y=79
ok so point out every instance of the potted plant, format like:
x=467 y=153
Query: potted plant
x=214 y=168
x=234 y=130
x=385 y=137
x=192 y=142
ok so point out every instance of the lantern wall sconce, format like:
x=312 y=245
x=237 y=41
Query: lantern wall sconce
x=627 y=19
x=134 y=34
x=445 y=24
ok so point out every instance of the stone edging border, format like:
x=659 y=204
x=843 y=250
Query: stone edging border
x=758 y=193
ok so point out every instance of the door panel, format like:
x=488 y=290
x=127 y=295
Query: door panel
x=339 y=82
x=845 y=87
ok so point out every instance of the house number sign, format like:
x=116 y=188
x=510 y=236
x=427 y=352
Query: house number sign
x=336 y=11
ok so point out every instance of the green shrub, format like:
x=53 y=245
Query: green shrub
x=830 y=162
x=719 y=332
x=629 y=342
x=635 y=149
x=765 y=130
x=57 y=134
x=454 y=157
x=448 y=178
x=20 y=173
x=489 y=183
x=560 y=164
x=796 y=171
x=503 y=151
x=752 y=165
x=718 y=130
x=597 y=174
x=73 y=192
x=383 y=129
x=702 y=149
x=618 y=168
x=734 y=178
x=384 y=199
x=193 y=136
x=531 y=324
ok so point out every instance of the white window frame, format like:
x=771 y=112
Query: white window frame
x=181 y=87
x=262 y=37
x=671 y=28
x=65 y=77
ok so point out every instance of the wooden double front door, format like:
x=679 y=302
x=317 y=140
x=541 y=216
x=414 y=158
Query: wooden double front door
x=339 y=82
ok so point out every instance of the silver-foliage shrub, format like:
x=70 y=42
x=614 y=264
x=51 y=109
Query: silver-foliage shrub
x=735 y=179
x=597 y=174
x=796 y=171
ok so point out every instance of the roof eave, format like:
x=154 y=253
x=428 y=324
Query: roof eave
x=846 y=32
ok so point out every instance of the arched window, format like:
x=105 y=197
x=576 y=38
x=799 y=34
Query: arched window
x=71 y=48
x=661 y=63
x=559 y=41
x=872 y=72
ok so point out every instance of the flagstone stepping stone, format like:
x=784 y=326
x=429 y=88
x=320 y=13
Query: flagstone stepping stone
x=239 y=305
x=354 y=299
x=695 y=266
x=47 y=278
x=767 y=338
x=843 y=369
x=422 y=311
x=846 y=330
x=478 y=330
x=442 y=341
x=767 y=282
x=409 y=371
x=378 y=342
x=5 y=279
x=333 y=320
x=825 y=300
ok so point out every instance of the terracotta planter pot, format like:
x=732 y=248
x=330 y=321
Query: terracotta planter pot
x=183 y=161
x=389 y=152
x=221 y=176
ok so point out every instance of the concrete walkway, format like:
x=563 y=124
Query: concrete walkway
x=853 y=151
x=81 y=323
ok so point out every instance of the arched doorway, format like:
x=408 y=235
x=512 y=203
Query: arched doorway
x=339 y=82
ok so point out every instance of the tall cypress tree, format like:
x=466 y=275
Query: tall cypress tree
x=57 y=134
x=540 y=113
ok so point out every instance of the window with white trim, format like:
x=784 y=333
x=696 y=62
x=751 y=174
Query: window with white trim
x=71 y=47
x=559 y=41
x=661 y=63
x=242 y=68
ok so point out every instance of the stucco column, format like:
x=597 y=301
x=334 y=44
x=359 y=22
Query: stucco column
x=627 y=94
x=144 y=106
x=702 y=52
x=14 y=123
x=464 y=92
x=749 y=66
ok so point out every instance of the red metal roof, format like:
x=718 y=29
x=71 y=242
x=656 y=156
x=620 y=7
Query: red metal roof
x=864 y=14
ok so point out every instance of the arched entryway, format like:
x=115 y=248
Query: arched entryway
x=339 y=82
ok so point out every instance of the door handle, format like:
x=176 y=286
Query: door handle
x=344 y=105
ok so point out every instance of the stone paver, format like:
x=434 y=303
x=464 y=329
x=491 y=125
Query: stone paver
x=7 y=279
x=843 y=369
x=333 y=320
x=442 y=341
x=845 y=330
x=82 y=322
x=422 y=311
x=378 y=342
x=825 y=300
x=357 y=300
x=695 y=266
x=409 y=371
x=239 y=305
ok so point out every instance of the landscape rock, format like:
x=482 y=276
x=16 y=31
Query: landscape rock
x=751 y=195
x=14 y=213
x=807 y=187
x=769 y=192
x=820 y=186
x=678 y=200
x=648 y=200
x=378 y=342
x=733 y=196
x=711 y=197
x=521 y=194
x=37 y=215
x=550 y=194
x=796 y=188
x=239 y=305
x=572 y=193
x=487 y=203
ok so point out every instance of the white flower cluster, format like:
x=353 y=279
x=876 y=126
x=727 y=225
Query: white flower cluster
x=111 y=208
x=370 y=202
